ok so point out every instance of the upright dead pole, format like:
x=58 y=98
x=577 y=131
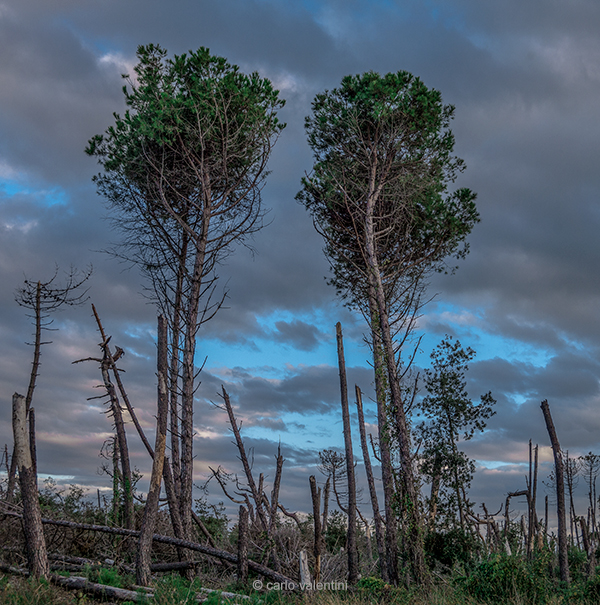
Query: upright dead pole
x=318 y=543
x=372 y=491
x=143 y=575
x=242 y=562
x=169 y=480
x=351 y=541
x=257 y=495
x=106 y=364
x=563 y=559
x=37 y=556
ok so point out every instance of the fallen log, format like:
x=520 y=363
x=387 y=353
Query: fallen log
x=206 y=550
x=142 y=593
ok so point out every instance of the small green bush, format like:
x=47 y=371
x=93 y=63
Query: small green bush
x=502 y=578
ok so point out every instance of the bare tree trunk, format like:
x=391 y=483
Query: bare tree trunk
x=32 y=516
x=188 y=385
x=387 y=475
x=351 y=539
x=413 y=533
x=326 y=505
x=563 y=559
x=174 y=367
x=35 y=366
x=435 y=490
x=117 y=415
x=242 y=562
x=379 y=538
x=32 y=446
x=143 y=575
x=318 y=542
x=275 y=491
x=106 y=364
x=256 y=496
x=170 y=488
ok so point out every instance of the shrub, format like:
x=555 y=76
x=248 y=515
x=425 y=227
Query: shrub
x=502 y=578
x=453 y=546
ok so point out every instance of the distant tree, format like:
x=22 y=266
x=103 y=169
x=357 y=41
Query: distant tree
x=183 y=174
x=42 y=299
x=450 y=416
x=378 y=195
x=590 y=468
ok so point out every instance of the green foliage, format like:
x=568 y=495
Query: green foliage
x=451 y=547
x=578 y=563
x=502 y=578
x=450 y=416
x=17 y=591
x=172 y=589
x=106 y=575
x=214 y=518
x=383 y=148
x=187 y=161
x=337 y=532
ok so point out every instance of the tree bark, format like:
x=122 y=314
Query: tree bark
x=194 y=546
x=563 y=559
x=351 y=539
x=318 y=541
x=256 y=495
x=189 y=376
x=413 y=533
x=387 y=474
x=143 y=575
x=242 y=563
x=32 y=516
x=379 y=538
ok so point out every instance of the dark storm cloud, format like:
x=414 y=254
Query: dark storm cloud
x=298 y=334
x=304 y=389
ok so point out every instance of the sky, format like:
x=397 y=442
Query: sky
x=526 y=86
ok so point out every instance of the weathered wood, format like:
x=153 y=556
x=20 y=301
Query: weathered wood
x=305 y=578
x=206 y=550
x=351 y=544
x=318 y=537
x=106 y=364
x=372 y=490
x=256 y=495
x=242 y=563
x=563 y=560
x=99 y=590
x=142 y=566
x=37 y=556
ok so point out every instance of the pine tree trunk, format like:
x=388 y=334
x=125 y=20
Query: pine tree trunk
x=563 y=559
x=143 y=575
x=318 y=536
x=379 y=538
x=387 y=474
x=351 y=538
x=242 y=562
x=32 y=516
x=413 y=531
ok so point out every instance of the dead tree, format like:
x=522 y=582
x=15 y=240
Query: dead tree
x=107 y=363
x=318 y=536
x=372 y=491
x=43 y=299
x=32 y=515
x=243 y=546
x=563 y=546
x=143 y=575
x=351 y=540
